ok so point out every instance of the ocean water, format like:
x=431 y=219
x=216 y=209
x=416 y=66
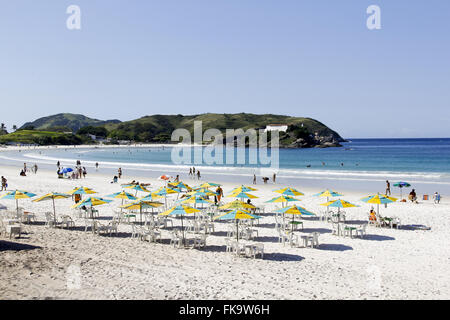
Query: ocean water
x=360 y=164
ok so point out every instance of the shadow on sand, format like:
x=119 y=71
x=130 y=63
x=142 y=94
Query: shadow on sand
x=14 y=246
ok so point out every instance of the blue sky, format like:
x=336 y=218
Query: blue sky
x=302 y=58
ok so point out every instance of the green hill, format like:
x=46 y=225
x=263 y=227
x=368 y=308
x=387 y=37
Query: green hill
x=41 y=138
x=159 y=127
x=73 y=122
x=301 y=133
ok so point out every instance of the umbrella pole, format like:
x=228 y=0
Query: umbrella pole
x=17 y=206
x=237 y=231
x=182 y=230
x=54 y=210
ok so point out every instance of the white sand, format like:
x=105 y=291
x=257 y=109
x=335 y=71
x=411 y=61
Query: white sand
x=388 y=264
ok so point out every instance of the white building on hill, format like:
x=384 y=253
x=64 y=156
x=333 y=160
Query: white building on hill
x=276 y=127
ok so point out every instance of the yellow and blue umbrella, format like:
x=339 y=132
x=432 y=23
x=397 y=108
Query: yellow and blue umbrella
x=202 y=192
x=122 y=195
x=179 y=185
x=282 y=199
x=81 y=190
x=378 y=199
x=237 y=204
x=289 y=192
x=328 y=193
x=295 y=210
x=137 y=187
x=52 y=196
x=180 y=210
x=242 y=195
x=196 y=199
x=243 y=188
x=339 y=204
x=208 y=185
x=16 y=195
x=91 y=202
x=140 y=204
x=237 y=214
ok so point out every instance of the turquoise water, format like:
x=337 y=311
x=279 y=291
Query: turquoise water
x=424 y=162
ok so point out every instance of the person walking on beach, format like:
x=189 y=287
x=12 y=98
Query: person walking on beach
x=58 y=164
x=24 y=167
x=96 y=166
x=190 y=171
x=274 y=177
x=388 y=187
x=198 y=175
x=219 y=192
x=4 y=183
x=119 y=173
x=84 y=172
x=254 y=178
x=35 y=168
x=436 y=197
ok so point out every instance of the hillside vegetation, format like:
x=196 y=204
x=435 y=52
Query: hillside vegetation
x=73 y=122
x=301 y=133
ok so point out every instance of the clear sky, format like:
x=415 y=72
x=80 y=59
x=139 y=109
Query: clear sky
x=312 y=58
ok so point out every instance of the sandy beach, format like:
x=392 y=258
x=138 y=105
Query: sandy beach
x=386 y=264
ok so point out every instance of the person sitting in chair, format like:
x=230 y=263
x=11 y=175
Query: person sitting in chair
x=372 y=215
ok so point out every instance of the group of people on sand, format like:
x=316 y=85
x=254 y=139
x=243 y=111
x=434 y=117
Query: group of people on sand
x=24 y=171
x=265 y=179
x=192 y=173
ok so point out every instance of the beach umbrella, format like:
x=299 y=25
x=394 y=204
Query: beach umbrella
x=401 y=185
x=52 y=196
x=164 y=191
x=289 y=192
x=16 y=195
x=122 y=195
x=329 y=194
x=237 y=204
x=243 y=188
x=81 y=190
x=180 y=210
x=179 y=185
x=339 y=204
x=150 y=197
x=137 y=187
x=202 y=192
x=378 y=199
x=193 y=200
x=282 y=199
x=91 y=202
x=242 y=195
x=237 y=214
x=208 y=185
x=67 y=170
x=295 y=210
x=139 y=205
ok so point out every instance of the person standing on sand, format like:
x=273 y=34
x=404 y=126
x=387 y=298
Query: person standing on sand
x=96 y=166
x=198 y=174
x=58 y=164
x=190 y=171
x=119 y=173
x=4 y=183
x=388 y=187
x=24 y=167
x=436 y=197
x=254 y=178
x=84 y=172
x=35 y=168
x=274 y=177
x=219 y=192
